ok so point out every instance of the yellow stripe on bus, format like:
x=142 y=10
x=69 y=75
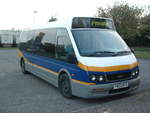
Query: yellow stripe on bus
x=109 y=68
x=55 y=73
x=81 y=82
x=21 y=55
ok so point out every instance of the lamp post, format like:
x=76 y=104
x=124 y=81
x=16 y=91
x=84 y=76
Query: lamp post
x=34 y=14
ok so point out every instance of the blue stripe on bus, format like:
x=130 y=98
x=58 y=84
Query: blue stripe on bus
x=56 y=65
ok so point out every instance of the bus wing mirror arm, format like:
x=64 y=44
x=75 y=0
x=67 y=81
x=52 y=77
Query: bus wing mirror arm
x=132 y=50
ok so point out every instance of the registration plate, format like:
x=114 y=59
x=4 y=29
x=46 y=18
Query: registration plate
x=120 y=85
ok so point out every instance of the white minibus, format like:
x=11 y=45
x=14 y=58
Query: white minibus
x=83 y=57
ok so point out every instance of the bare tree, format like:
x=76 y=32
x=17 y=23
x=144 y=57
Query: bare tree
x=53 y=18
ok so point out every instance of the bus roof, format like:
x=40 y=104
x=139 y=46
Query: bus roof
x=68 y=23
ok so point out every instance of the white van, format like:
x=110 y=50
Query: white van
x=84 y=57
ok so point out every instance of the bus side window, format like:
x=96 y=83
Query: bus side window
x=38 y=38
x=37 y=44
x=64 y=46
x=30 y=40
x=48 y=43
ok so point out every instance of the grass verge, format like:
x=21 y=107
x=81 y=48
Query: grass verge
x=7 y=48
x=142 y=55
x=142 y=52
x=142 y=49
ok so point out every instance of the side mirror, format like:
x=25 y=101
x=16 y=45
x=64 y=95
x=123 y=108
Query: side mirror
x=72 y=59
x=132 y=50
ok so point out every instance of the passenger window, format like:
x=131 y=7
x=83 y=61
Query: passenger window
x=49 y=42
x=45 y=41
x=39 y=38
x=64 y=45
x=37 y=44
x=30 y=40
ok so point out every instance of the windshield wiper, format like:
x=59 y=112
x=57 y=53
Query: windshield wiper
x=108 y=53
x=123 y=52
x=102 y=53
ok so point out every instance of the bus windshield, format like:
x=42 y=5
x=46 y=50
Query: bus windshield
x=99 y=42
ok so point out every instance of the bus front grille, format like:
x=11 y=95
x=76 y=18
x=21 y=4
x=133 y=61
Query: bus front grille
x=120 y=76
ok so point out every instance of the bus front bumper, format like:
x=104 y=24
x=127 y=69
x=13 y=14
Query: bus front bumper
x=103 y=90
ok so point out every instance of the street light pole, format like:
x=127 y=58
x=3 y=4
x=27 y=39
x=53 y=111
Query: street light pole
x=34 y=14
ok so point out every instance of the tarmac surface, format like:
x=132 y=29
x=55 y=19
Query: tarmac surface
x=29 y=94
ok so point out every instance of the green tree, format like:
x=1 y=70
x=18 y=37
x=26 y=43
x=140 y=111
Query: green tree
x=143 y=36
x=126 y=19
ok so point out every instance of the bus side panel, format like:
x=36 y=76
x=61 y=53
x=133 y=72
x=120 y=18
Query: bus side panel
x=38 y=65
x=49 y=68
x=47 y=76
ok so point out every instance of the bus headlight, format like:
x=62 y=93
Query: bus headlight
x=93 y=78
x=135 y=73
x=100 y=78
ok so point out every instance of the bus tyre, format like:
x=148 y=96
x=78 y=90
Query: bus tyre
x=23 y=67
x=64 y=86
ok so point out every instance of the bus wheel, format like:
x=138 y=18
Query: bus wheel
x=64 y=86
x=23 y=67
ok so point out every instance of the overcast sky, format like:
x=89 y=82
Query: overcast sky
x=19 y=14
